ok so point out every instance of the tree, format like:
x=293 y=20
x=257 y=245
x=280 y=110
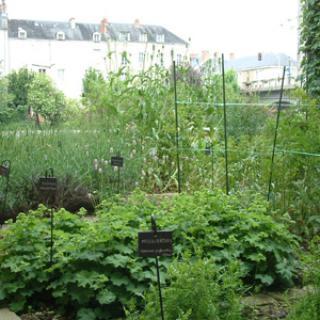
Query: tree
x=45 y=99
x=94 y=89
x=5 y=100
x=18 y=85
x=310 y=45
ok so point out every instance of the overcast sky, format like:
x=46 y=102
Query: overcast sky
x=239 y=26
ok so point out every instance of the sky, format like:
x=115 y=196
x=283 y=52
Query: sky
x=242 y=27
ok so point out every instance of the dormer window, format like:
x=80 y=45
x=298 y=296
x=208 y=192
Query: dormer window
x=143 y=37
x=97 y=37
x=160 y=38
x=22 y=34
x=124 y=36
x=60 y=36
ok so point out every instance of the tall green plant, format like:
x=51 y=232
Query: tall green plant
x=310 y=45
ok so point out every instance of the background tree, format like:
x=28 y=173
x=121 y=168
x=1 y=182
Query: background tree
x=310 y=45
x=18 y=85
x=5 y=100
x=45 y=99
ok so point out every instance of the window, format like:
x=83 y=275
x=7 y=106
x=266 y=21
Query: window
x=179 y=58
x=160 y=37
x=22 y=34
x=143 y=37
x=42 y=70
x=60 y=36
x=124 y=36
x=142 y=56
x=60 y=73
x=161 y=59
x=96 y=37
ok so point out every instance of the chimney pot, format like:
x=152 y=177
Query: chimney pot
x=104 y=25
x=137 y=23
x=3 y=7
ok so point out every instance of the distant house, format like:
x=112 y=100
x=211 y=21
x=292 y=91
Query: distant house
x=65 y=50
x=263 y=72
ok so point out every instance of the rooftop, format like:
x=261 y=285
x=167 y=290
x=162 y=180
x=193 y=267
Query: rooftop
x=252 y=62
x=84 y=31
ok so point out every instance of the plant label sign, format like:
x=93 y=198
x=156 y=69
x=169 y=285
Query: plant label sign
x=4 y=171
x=155 y=244
x=48 y=184
x=117 y=161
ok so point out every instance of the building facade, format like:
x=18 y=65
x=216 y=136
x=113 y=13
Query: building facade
x=264 y=71
x=65 y=50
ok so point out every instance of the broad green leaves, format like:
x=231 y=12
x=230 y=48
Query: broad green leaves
x=96 y=262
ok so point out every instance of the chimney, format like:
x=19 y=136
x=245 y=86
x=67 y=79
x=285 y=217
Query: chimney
x=205 y=55
x=231 y=56
x=137 y=23
x=104 y=25
x=3 y=7
x=72 y=23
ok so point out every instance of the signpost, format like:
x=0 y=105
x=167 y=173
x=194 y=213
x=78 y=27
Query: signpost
x=48 y=184
x=209 y=151
x=5 y=172
x=154 y=244
x=117 y=161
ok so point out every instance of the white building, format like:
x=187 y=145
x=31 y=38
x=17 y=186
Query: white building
x=65 y=50
x=264 y=71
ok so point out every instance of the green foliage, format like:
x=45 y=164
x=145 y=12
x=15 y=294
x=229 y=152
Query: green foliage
x=310 y=45
x=19 y=84
x=309 y=306
x=94 y=87
x=134 y=115
x=96 y=271
x=198 y=290
x=5 y=100
x=45 y=99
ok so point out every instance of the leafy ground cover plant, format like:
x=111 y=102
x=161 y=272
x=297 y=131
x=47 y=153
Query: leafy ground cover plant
x=96 y=271
x=227 y=228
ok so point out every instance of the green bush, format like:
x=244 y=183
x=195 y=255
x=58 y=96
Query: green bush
x=96 y=271
x=198 y=290
x=226 y=228
x=309 y=306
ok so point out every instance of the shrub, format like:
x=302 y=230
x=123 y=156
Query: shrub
x=198 y=290
x=309 y=307
x=96 y=271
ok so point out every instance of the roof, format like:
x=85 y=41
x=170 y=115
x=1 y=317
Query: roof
x=252 y=62
x=84 y=31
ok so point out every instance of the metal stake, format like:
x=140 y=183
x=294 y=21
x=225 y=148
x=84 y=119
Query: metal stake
x=177 y=124
x=212 y=165
x=7 y=164
x=225 y=125
x=155 y=229
x=119 y=180
x=159 y=288
x=51 y=236
x=276 y=132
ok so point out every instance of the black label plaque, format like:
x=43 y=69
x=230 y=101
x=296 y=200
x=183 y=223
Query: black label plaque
x=155 y=244
x=4 y=171
x=46 y=184
x=117 y=161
